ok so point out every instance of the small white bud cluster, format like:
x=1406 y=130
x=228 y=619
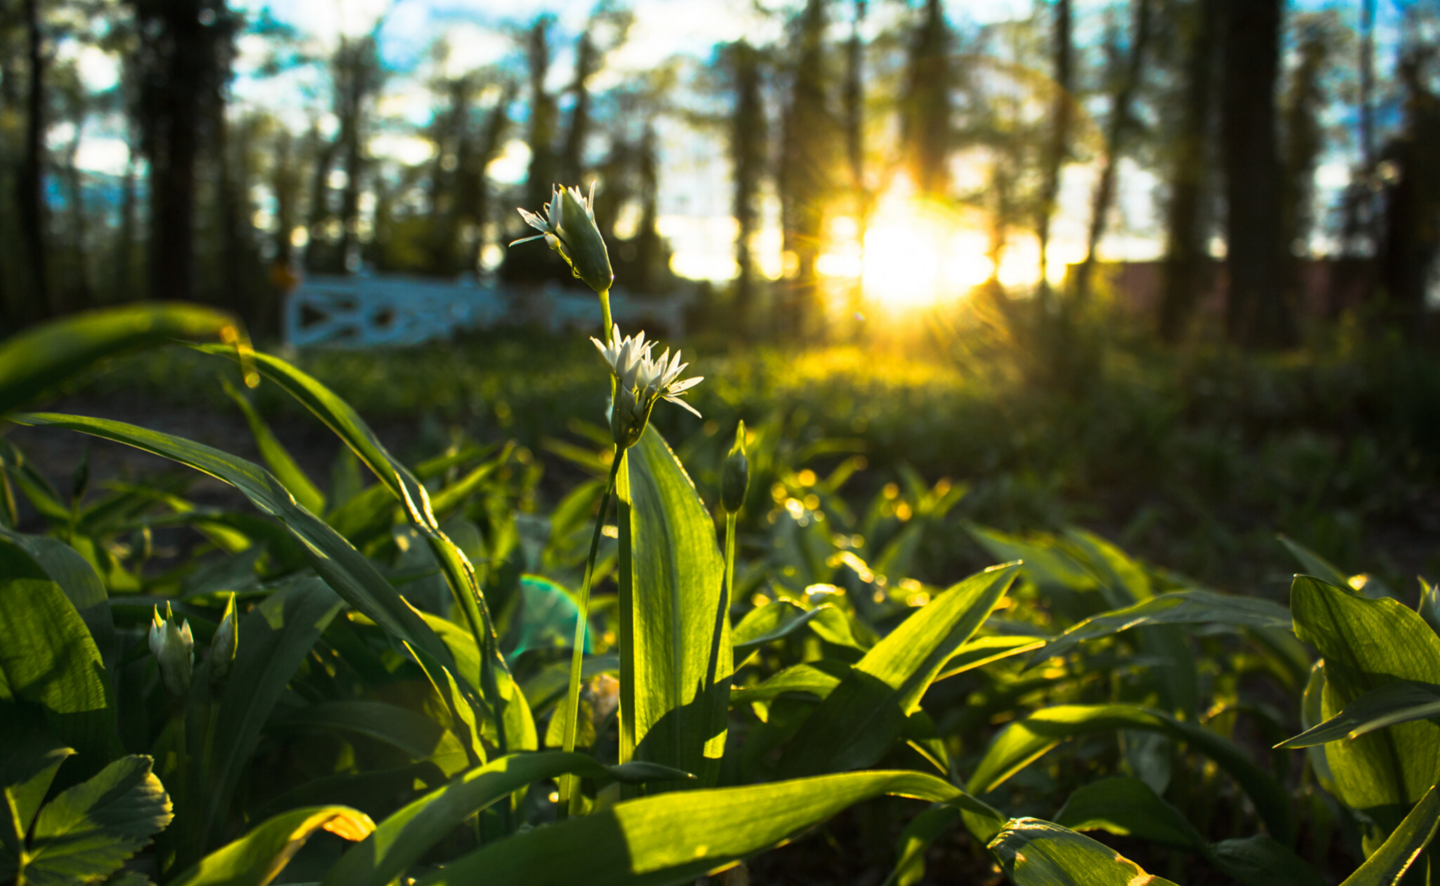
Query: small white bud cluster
x=173 y=646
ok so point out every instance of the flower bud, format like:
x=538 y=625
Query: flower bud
x=735 y=478
x=224 y=643
x=173 y=646
x=588 y=257
x=568 y=227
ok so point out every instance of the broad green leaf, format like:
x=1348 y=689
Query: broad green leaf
x=400 y=840
x=1367 y=644
x=1128 y=807
x=766 y=624
x=675 y=649
x=48 y=659
x=29 y=770
x=1390 y=704
x=86 y=833
x=1175 y=608
x=1261 y=861
x=275 y=637
x=816 y=678
x=860 y=720
x=258 y=857
x=981 y=651
x=1387 y=864
x=1038 y=853
x=1112 y=566
x=281 y=462
x=676 y=837
x=46 y=355
x=1024 y=741
x=494 y=680
x=77 y=579
x=1042 y=564
x=345 y=569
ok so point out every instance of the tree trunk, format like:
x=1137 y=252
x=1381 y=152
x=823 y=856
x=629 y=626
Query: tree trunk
x=747 y=153
x=1186 y=259
x=172 y=160
x=804 y=177
x=1116 y=133
x=1257 y=315
x=29 y=184
x=1058 y=149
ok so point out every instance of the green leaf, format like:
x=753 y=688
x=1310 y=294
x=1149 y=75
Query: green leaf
x=49 y=659
x=676 y=837
x=675 y=648
x=860 y=720
x=29 y=770
x=86 y=833
x=77 y=579
x=1127 y=807
x=415 y=735
x=345 y=569
x=494 y=678
x=816 y=678
x=281 y=462
x=1175 y=608
x=1387 y=864
x=275 y=637
x=258 y=857
x=1368 y=644
x=1260 y=861
x=923 y=830
x=409 y=833
x=1024 y=741
x=1390 y=704
x=1038 y=853
x=766 y=624
x=1316 y=565
x=46 y=355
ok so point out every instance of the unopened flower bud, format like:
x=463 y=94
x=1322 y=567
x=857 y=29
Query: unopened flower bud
x=568 y=227
x=224 y=643
x=735 y=478
x=173 y=646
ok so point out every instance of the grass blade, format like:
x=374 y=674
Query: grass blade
x=258 y=857
x=1039 y=853
x=863 y=716
x=1386 y=706
x=46 y=355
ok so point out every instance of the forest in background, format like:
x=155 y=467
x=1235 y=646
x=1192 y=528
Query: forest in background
x=1229 y=106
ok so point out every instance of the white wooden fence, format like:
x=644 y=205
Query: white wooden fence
x=367 y=312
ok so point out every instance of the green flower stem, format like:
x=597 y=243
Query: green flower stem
x=570 y=784
x=605 y=315
x=728 y=600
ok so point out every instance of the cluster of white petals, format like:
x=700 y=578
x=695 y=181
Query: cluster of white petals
x=641 y=380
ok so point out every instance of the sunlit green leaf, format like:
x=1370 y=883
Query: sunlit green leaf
x=1388 y=863
x=276 y=456
x=1389 y=704
x=87 y=832
x=1024 y=741
x=258 y=857
x=863 y=716
x=1368 y=644
x=1038 y=853
x=48 y=659
x=675 y=652
x=401 y=839
x=1128 y=807
x=676 y=837
x=46 y=355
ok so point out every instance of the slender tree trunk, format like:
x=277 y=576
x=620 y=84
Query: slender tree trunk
x=1058 y=149
x=29 y=184
x=319 y=210
x=1186 y=259
x=79 y=295
x=747 y=153
x=172 y=163
x=1116 y=133
x=1256 y=315
x=496 y=126
x=129 y=226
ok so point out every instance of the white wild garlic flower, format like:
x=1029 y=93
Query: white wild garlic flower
x=641 y=380
x=568 y=227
